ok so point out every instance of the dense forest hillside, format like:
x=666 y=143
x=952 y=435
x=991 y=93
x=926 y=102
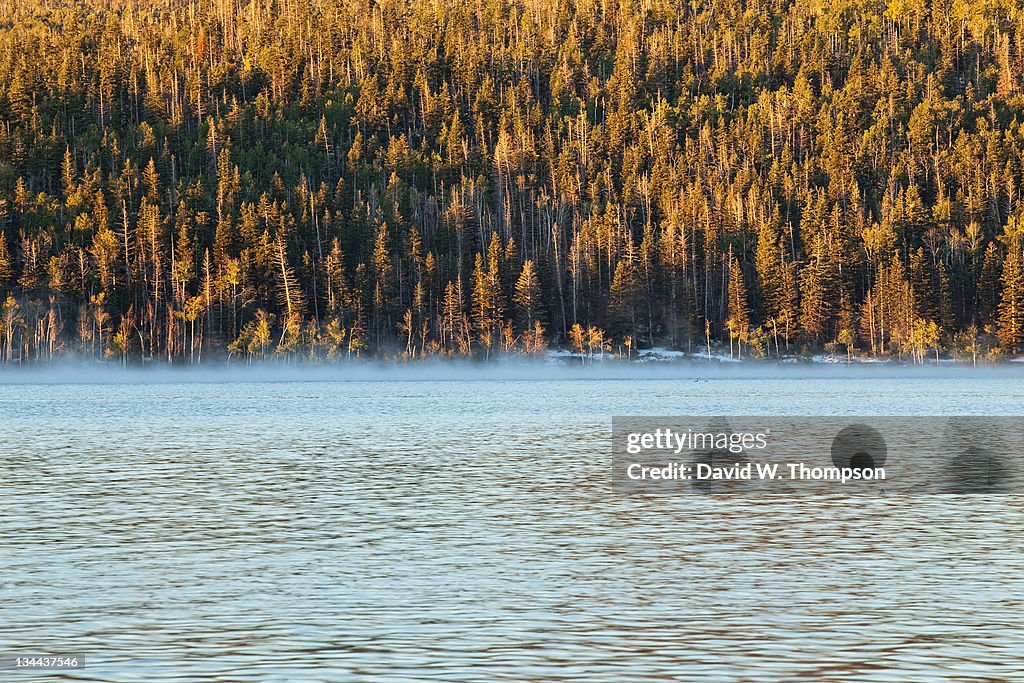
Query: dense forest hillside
x=329 y=178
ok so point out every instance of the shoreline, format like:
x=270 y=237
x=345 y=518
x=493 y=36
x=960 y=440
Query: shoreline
x=555 y=366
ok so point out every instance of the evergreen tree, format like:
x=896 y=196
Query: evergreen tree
x=927 y=302
x=778 y=287
x=626 y=293
x=988 y=286
x=528 y=297
x=6 y=265
x=738 y=320
x=484 y=319
x=815 y=299
x=383 y=286
x=1011 y=303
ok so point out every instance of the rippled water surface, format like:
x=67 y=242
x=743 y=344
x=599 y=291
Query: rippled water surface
x=466 y=531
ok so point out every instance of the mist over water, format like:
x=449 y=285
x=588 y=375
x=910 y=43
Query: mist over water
x=456 y=522
x=83 y=372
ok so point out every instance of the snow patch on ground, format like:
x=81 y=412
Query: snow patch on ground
x=566 y=357
x=716 y=357
x=661 y=354
x=828 y=358
x=657 y=354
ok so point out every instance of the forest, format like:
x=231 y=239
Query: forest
x=184 y=181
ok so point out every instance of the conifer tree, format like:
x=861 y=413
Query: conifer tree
x=6 y=267
x=527 y=297
x=777 y=285
x=1011 y=303
x=383 y=286
x=846 y=333
x=815 y=302
x=767 y=266
x=453 y=334
x=926 y=298
x=496 y=285
x=484 y=321
x=626 y=292
x=986 y=306
x=738 y=320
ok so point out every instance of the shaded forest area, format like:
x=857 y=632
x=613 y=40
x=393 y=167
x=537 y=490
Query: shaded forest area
x=187 y=180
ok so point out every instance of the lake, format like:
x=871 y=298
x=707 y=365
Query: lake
x=460 y=526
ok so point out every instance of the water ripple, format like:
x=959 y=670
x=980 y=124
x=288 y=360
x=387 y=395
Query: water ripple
x=454 y=531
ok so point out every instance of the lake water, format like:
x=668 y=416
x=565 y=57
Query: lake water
x=465 y=530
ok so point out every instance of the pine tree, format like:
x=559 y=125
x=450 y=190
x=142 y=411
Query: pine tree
x=986 y=306
x=484 y=321
x=496 y=284
x=67 y=174
x=738 y=319
x=626 y=293
x=337 y=289
x=1011 y=303
x=6 y=265
x=767 y=266
x=151 y=181
x=947 y=318
x=846 y=325
x=453 y=338
x=897 y=306
x=527 y=297
x=926 y=298
x=383 y=286
x=777 y=285
x=815 y=307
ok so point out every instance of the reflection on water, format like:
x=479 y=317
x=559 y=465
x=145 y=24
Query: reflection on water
x=465 y=531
